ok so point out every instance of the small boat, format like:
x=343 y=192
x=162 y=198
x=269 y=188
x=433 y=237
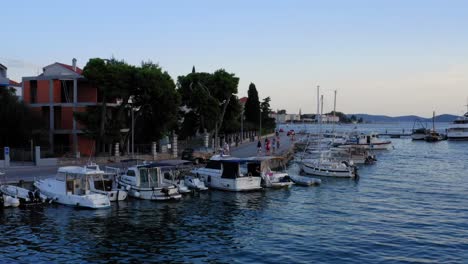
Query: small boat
x=172 y=173
x=420 y=132
x=8 y=196
x=433 y=135
x=71 y=186
x=105 y=182
x=195 y=183
x=262 y=166
x=328 y=168
x=25 y=197
x=305 y=181
x=369 y=141
x=224 y=173
x=356 y=155
x=9 y=201
x=146 y=182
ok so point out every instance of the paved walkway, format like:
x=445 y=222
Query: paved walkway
x=250 y=149
x=30 y=173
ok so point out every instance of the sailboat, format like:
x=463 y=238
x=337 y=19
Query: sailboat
x=327 y=167
x=433 y=135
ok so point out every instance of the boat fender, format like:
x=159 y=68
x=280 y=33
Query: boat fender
x=128 y=187
x=136 y=194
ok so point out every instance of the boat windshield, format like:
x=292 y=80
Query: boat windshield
x=144 y=181
x=153 y=173
x=230 y=170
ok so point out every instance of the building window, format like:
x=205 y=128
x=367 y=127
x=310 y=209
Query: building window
x=33 y=86
x=66 y=89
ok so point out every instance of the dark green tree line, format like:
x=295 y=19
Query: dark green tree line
x=19 y=123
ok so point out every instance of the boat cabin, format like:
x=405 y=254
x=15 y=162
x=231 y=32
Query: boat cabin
x=77 y=179
x=462 y=120
x=144 y=176
x=236 y=168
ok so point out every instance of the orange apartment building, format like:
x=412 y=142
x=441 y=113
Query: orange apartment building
x=56 y=94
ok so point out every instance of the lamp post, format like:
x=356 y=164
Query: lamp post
x=133 y=133
x=260 y=134
x=133 y=109
x=242 y=125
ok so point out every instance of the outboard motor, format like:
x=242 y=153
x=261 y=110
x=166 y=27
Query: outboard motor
x=31 y=196
x=37 y=195
x=165 y=190
x=355 y=170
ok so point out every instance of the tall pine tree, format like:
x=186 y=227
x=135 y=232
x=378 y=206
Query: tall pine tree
x=252 y=106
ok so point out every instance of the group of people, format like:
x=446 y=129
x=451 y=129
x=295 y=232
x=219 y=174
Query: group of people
x=270 y=145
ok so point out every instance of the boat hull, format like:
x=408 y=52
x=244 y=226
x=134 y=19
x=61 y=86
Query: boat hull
x=418 y=136
x=155 y=194
x=91 y=200
x=339 y=173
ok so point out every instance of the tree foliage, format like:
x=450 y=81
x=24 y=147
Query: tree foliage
x=19 y=122
x=268 y=123
x=154 y=100
x=208 y=102
x=252 y=106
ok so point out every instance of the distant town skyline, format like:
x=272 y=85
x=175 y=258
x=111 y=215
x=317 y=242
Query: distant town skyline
x=383 y=57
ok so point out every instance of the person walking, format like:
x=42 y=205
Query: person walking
x=259 y=147
x=267 y=146
x=226 y=148
x=273 y=145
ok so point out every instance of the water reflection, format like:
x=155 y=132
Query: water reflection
x=409 y=206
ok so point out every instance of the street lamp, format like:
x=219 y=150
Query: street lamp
x=260 y=134
x=133 y=109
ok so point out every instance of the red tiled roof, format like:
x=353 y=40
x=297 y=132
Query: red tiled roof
x=243 y=100
x=13 y=83
x=78 y=70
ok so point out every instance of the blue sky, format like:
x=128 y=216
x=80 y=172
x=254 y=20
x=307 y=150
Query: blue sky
x=383 y=57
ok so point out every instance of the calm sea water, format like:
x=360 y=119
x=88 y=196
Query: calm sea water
x=410 y=207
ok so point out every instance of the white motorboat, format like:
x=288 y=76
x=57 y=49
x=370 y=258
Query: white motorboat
x=172 y=170
x=147 y=182
x=9 y=201
x=71 y=186
x=420 y=132
x=458 y=130
x=25 y=197
x=172 y=177
x=224 y=173
x=369 y=141
x=8 y=196
x=195 y=183
x=262 y=166
x=353 y=155
x=105 y=182
x=328 y=168
x=305 y=181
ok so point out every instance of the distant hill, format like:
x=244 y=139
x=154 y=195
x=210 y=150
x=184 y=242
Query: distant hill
x=408 y=118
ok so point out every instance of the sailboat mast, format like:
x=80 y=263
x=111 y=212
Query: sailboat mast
x=318 y=103
x=321 y=113
x=334 y=113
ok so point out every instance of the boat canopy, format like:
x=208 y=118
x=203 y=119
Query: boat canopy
x=79 y=170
